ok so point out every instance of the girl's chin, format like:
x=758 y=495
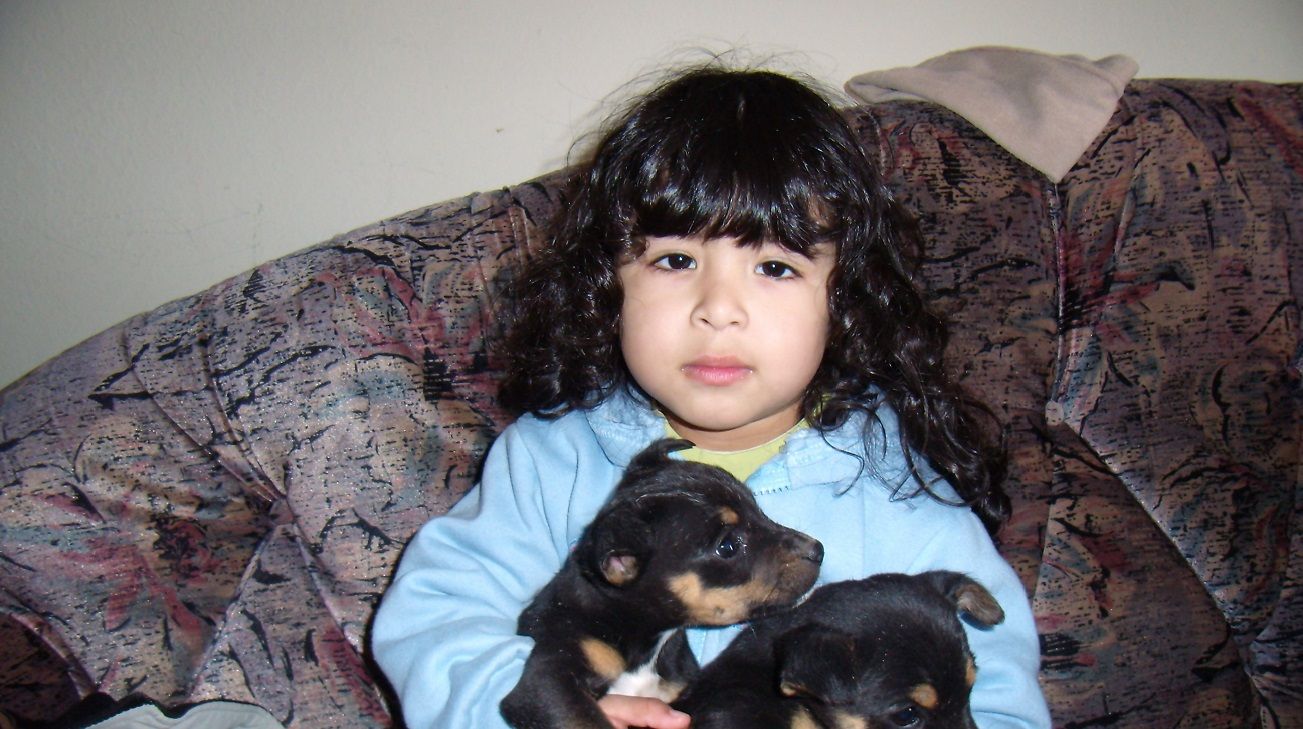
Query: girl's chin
x=736 y=432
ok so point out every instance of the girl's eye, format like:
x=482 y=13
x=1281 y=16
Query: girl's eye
x=730 y=546
x=775 y=269
x=675 y=262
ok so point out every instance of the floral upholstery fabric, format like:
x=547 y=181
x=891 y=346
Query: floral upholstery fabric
x=208 y=500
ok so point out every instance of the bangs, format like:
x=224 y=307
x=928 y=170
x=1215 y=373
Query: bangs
x=692 y=199
x=764 y=160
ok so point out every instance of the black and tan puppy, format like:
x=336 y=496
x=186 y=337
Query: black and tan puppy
x=880 y=653
x=677 y=544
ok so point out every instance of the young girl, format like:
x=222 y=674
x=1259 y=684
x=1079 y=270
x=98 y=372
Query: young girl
x=728 y=269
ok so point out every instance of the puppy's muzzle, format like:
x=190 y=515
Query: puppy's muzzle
x=800 y=547
x=801 y=557
x=804 y=547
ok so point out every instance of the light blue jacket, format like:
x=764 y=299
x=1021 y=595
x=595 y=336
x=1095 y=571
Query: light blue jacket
x=445 y=632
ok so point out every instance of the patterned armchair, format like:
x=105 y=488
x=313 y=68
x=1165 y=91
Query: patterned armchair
x=207 y=500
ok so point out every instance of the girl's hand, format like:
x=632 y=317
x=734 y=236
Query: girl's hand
x=638 y=711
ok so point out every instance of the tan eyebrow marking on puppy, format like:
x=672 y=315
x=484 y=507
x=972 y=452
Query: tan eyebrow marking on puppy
x=925 y=695
x=602 y=658
x=802 y=720
x=849 y=721
x=728 y=516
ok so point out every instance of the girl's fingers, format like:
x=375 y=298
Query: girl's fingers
x=638 y=711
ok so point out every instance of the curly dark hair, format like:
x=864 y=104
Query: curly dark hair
x=756 y=156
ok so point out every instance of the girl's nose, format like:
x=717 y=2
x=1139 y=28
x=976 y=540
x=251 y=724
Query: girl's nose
x=719 y=305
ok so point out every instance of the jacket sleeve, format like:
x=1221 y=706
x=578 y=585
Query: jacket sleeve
x=445 y=631
x=1007 y=694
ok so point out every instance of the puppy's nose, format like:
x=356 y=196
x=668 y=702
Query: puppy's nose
x=806 y=548
x=816 y=552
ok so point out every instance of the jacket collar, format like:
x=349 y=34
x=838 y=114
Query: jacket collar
x=625 y=422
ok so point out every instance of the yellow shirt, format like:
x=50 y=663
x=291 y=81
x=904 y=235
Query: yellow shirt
x=739 y=463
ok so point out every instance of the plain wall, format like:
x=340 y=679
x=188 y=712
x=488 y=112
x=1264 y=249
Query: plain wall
x=151 y=149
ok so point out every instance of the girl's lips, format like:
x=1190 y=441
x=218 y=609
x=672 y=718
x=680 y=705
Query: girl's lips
x=716 y=371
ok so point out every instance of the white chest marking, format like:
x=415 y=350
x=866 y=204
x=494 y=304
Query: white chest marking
x=644 y=681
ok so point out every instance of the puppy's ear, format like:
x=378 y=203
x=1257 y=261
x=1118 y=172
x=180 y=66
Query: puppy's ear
x=615 y=547
x=817 y=662
x=972 y=601
x=619 y=568
x=652 y=458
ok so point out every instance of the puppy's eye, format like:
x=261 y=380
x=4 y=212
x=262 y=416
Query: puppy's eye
x=730 y=546
x=905 y=717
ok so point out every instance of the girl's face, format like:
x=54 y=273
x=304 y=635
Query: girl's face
x=725 y=337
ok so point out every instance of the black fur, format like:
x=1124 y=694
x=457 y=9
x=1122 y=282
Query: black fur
x=677 y=544
x=887 y=651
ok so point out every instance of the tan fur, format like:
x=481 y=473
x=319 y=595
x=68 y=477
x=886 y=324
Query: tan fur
x=925 y=695
x=602 y=658
x=970 y=675
x=802 y=720
x=842 y=720
x=671 y=690
x=728 y=516
x=976 y=601
x=718 y=605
